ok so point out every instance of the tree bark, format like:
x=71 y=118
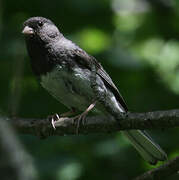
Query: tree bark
x=98 y=124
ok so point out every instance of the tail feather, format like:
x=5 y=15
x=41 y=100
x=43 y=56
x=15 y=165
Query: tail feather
x=144 y=144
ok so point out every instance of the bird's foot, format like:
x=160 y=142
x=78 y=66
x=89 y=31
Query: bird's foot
x=56 y=117
x=53 y=118
x=81 y=118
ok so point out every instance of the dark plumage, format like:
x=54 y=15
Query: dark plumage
x=64 y=70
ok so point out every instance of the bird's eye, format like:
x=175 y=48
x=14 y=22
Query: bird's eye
x=40 y=23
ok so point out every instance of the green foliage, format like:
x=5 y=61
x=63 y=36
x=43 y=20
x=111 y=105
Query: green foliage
x=137 y=43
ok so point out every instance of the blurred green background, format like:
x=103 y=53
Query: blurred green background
x=137 y=42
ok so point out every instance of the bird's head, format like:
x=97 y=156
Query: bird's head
x=40 y=29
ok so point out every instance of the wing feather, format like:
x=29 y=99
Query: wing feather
x=85 y=60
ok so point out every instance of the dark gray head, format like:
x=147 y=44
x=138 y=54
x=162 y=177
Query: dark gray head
x=41 y=29
x=39 y=32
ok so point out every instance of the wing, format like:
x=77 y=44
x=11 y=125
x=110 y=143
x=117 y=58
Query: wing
x=85 y=60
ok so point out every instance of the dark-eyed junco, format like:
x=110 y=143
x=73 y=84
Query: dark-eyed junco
x=64 y=70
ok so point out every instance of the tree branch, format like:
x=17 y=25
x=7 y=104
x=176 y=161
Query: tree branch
x=99 y=124
x=162 y=172
x=103 y=124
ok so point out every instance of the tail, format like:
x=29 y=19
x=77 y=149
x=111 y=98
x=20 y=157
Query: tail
x=147 y=148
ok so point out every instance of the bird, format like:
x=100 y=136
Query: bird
x=64 y=70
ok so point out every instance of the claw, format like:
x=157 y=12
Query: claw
x=79 y=118
x=54 y=118
x=53 y=124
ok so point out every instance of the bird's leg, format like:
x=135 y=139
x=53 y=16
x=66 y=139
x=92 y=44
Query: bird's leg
x=82 y=116
x=56 y=117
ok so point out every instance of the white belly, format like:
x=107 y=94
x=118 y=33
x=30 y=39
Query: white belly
x=73 y=89
x=70 y=88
